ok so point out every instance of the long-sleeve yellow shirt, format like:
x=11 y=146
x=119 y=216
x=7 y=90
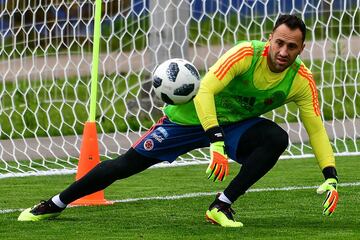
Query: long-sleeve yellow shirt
x=303 y=92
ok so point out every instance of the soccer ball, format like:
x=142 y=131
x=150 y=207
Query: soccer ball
x=176 y=81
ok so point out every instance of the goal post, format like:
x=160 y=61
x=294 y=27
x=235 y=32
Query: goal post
x=169 y=22
x=46 y=58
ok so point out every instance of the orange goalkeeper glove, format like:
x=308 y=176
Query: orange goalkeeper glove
x=218 y=167
x=330 y=187
x=332 y=196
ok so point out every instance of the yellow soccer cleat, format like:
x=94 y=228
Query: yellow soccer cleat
x=222 y=214
x=42 y=211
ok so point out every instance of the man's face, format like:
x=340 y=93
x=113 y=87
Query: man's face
x=285 y=46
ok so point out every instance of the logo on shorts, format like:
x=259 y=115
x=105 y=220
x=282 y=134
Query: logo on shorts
x=148 y=144
x=157 y=137
x=163 y=132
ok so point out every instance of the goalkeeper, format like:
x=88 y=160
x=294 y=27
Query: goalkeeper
x=249 y=80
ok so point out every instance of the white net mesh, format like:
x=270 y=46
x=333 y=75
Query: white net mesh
x=45 y=65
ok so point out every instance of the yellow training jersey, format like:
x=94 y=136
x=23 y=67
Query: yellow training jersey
x=302 y=92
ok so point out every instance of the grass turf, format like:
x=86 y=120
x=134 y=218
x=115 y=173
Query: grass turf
x=294 y=214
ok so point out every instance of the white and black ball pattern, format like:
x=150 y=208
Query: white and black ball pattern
x=176 y=81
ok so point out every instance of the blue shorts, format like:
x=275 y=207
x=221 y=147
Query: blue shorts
x=167 y=140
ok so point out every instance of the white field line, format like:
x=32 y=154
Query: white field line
x=201 y=194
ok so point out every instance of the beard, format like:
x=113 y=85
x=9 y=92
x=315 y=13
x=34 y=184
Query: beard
x=277 y=63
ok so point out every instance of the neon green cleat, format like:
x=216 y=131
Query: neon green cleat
x=222 y=214
x=42 y=211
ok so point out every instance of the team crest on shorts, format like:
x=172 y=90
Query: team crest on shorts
x=148 y=144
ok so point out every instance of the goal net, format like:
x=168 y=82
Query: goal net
x=46 y=59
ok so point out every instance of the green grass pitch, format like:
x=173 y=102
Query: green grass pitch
x=273 y=212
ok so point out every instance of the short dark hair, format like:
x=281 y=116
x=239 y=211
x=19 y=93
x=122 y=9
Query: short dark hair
x=293 y=22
